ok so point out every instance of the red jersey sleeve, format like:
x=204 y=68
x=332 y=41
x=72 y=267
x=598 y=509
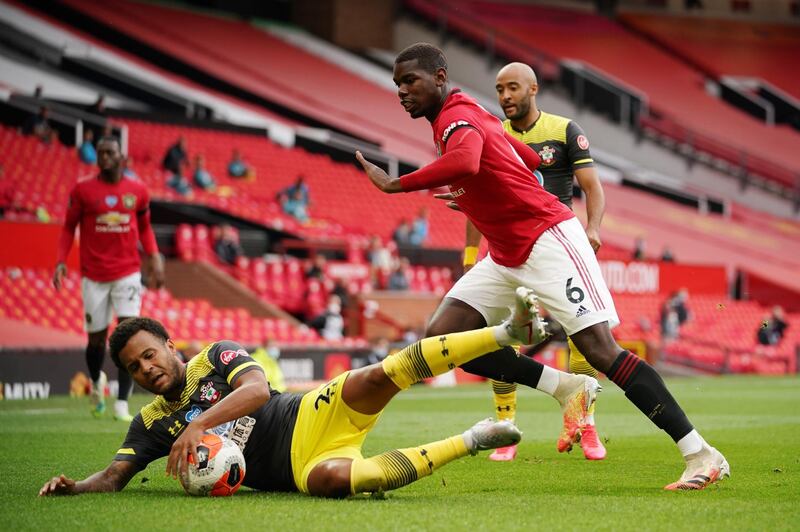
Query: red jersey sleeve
x=70 y=223
x=463 y=159
x=146 y=235
x=525 y=152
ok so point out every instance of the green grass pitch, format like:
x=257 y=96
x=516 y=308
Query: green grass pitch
x=754 y=421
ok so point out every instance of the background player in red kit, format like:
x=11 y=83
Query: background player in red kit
x=534 y=241
x=114 y=216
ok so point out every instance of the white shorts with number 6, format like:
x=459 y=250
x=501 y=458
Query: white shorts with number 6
x=123 y=297
x=563 y=272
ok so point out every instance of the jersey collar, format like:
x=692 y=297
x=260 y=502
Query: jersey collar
x=541 y=114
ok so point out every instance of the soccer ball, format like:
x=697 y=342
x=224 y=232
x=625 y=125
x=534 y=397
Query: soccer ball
x=220 y=471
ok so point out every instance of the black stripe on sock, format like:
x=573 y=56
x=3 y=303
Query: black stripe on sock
x=399 y=469
x=503 y=387
x=418 y=362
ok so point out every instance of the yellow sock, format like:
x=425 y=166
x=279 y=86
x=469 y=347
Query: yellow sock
x=505 y=399
x=578 y=363
x=437 y=355
x=400 y=467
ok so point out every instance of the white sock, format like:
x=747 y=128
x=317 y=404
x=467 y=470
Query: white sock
x=548 y=382
x=691 y=443
x=121 y=407
x=468 y=441
x=502 y=336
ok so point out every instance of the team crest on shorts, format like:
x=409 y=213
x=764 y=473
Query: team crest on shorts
x=547 y=155
x=129 y=201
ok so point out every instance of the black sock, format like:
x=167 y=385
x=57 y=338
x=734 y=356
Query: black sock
x=94 y=360
x=507 y=366
x=125 y=385
x=645 y=389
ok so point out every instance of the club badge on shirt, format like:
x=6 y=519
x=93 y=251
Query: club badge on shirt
x=129 y=201
x=209 y=393
x=547 y=155
x=111 y=201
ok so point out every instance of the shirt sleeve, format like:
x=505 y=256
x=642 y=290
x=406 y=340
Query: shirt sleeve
x=528 y=155
x=578 y=147
x=463 y=159
x=141 y=446
x=231 y=360
x=146 y=235
x=67 y=237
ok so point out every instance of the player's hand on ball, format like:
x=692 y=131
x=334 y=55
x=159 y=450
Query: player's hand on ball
x=186 y=444
x=59 y=485
x=59 y=274
x=448 y=197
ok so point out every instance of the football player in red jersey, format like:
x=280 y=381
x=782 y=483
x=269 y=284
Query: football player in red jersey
x=534 y=241
x=114 y=216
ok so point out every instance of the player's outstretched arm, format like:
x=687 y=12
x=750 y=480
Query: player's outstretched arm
x=379 y=178
x=113 y=478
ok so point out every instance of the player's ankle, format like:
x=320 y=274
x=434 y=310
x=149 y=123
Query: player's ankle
x=501 y=335
x=567 y=383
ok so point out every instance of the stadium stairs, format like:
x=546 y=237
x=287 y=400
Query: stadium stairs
x=726 y=47
x=255 y=67
x=620 y=152
x=679 y=106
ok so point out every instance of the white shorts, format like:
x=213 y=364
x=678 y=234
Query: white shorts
x=123 y=296
x=563 y=272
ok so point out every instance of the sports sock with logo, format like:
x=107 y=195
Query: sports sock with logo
x=398 y=468
x=505 y=400
x=645 y=389
x=437 y=355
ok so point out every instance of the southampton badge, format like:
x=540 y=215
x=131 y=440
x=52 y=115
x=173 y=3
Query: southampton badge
x=548 y=155
x=129 y=201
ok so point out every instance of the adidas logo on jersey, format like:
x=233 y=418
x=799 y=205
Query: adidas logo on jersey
x=582 y=311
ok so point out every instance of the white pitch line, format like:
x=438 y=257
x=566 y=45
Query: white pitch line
x=33 y=411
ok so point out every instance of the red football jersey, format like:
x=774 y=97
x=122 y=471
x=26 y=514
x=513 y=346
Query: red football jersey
x=504 y=200
x=113 y=218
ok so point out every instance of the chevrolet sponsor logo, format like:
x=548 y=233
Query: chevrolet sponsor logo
x=114 y=218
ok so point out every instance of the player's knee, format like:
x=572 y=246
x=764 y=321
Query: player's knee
x=375 y=377
x=597 y=345
x=435 y=328
x=330 y=479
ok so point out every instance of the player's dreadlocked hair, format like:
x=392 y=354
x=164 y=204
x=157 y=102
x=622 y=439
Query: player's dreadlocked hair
x=126 y=329
x=428 y=56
